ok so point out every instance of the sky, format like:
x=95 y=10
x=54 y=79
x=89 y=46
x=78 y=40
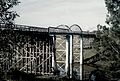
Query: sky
x=51 y=13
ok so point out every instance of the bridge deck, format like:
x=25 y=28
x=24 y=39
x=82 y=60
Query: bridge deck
x=50 y=30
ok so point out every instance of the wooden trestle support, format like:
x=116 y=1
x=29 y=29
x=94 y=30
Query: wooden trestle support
x=35 y=56
x=46 y=52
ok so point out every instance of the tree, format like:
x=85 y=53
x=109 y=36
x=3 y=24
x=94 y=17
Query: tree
x=7 y=17
x=113 y=17
x=108 y=38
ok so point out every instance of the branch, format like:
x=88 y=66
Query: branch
x=114 y=48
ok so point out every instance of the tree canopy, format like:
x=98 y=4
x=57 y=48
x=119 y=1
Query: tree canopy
x=7 y=16
x=108 y=38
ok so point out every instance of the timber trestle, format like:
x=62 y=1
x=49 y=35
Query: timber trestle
x=53 y=50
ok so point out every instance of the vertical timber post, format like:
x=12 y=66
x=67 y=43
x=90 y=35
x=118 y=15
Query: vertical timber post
x=67 y=66
x=81 y=57
x=71 y=55
x=54 y=64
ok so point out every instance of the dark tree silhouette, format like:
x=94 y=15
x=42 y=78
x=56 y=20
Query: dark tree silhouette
x=108 y=38
x=7 y=17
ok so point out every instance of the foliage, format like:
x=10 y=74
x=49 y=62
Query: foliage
x=108 y=38
x=7 y=16
x=98 y=75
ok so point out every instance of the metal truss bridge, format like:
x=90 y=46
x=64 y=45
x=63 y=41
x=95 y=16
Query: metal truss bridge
x=48 y=51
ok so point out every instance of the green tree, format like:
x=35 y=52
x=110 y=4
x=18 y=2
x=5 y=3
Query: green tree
x=108 y=38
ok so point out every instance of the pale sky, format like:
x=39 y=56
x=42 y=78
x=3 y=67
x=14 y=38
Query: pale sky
x=48 y=13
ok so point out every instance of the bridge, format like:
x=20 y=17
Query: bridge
x=48 y=51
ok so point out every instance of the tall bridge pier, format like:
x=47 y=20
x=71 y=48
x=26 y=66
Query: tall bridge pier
x=65 y=49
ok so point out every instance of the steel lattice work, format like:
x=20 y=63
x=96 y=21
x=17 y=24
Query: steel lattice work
x=61 y=53
x=76 y=56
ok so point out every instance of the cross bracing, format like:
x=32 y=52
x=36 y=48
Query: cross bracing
x=47 y=50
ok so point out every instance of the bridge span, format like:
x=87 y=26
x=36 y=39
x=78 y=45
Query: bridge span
x=47 y=51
